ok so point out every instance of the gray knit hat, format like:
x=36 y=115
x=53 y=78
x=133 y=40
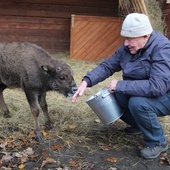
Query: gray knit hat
x=136 y=25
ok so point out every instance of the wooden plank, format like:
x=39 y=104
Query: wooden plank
x=94 y=38
x=94 y=3
x=96 y=19
x=36 y=32
x=52 y=47
x=24 y=9
x=165 y=6
x=32 y=38
x=166 y=12
x=53 y=14
x=32 y=26
x=35 y=20
x=83 y=3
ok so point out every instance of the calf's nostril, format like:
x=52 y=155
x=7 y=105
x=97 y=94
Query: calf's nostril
x=74 y=89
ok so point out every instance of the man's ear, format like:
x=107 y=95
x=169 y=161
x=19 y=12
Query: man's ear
x=147 y=36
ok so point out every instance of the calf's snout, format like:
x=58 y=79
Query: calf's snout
x=72 y=91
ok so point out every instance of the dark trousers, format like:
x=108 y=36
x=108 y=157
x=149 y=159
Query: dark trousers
x=143 y=112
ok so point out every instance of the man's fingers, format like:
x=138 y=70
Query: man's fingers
x=79 y=92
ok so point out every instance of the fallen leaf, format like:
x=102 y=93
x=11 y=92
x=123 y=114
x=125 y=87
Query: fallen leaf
x=72 y=126
x=164 y=159
x=104 y=148
x=24 y=141
x=57 y=147
x=21 y=166
x=10 y=142
x=43 y=149
x=111 y=168
x=17 y=154
x=97 y=120
x=112 y=160
x=29 y=151
x=33 y=156
x=72 y=163
x=31 y=134
x=11 y=137
x=6 y=158
x=45 y=133
x=3 y=144
x=23 y=159
x=45 y=155
x=47 y=161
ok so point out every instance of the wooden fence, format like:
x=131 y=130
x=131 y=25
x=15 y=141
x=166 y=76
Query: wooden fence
x=47 y=22
x=94 y=38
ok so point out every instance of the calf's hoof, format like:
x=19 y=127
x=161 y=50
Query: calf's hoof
x=39 y=136
x=7 y=115
x=49 y=126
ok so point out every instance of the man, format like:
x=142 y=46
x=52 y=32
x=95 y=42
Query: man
x=144 y=92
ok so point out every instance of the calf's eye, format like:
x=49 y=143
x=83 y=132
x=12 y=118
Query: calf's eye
x=62 y=78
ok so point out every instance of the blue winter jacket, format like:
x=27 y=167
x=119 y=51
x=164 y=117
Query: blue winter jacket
x=145 y=74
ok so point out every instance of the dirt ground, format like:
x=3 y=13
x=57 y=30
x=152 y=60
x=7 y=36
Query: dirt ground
x=98 y=154
x=104 y=148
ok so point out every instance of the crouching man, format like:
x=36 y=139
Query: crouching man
x=144 y=92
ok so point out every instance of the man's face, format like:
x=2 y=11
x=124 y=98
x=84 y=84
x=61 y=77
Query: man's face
x=134 y=44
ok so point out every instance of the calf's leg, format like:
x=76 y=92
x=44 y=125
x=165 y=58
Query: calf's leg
x=2 y=102
x=43 y=105
x=32 y=97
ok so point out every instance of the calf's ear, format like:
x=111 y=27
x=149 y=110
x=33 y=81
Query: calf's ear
x=58 y=69
x=46 y=69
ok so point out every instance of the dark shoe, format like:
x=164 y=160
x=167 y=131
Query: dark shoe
x=154 y=152
x=132 y=131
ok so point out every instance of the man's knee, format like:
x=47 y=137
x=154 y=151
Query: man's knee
x=137 y=104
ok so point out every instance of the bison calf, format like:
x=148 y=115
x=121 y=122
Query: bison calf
x=28 y=66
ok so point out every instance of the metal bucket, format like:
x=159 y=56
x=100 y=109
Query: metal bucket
x=105 y=106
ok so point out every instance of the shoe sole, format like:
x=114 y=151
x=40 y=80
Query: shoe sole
x=155 y=156
x=133 y=134
x=131 y=131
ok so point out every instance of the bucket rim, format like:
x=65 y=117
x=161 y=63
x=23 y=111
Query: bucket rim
x=100 y=92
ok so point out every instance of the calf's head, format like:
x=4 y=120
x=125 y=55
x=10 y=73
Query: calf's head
x=60 y=78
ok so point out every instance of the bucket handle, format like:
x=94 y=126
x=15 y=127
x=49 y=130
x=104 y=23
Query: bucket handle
x=96 y=96
x=105 y=95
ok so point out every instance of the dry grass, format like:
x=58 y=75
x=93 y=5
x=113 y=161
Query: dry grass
x=71 y=121
x=153 y=9
x=156 y=16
